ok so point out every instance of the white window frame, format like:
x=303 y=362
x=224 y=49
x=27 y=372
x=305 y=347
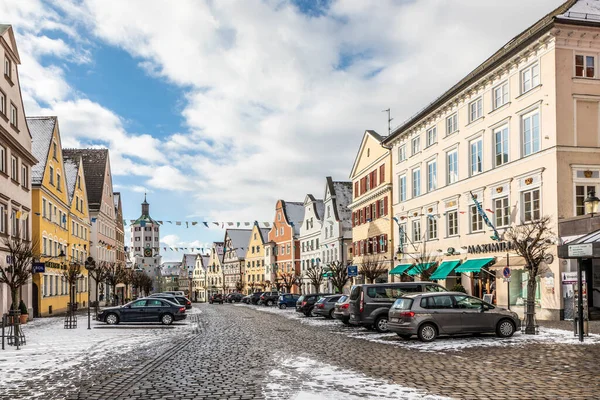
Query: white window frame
x=449 y=179
x=416 y=184
x=475 y=109
x=402 y=153
x=451 y=124
x=431 y=175
x=475 y=219
x=503 y=97
x=14 y=116
x=402 y=187
x=524 y=211
x=431 y=136
x=476 y=165
x=2 y=102
x=24 y=175
x=3 y=208
x=505 y=144
x=432 y=228
x=416 y=230
x=7 y=67
x=453 y=213
x=530 y=77
x=502 y=213
x=3 y=154
x=586 y=188
x=415 y=145
x=530 y=116
x=586 y=58
x=14 y=168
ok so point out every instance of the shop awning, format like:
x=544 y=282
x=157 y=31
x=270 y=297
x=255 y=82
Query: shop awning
x=400 y=268
x=328 y=274
x=444 y=269
x=417 y=269
x=475 y=265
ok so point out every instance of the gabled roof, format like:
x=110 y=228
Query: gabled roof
x=116 y=198
x=239 y=240
x=562 y=14
x=294 y=214
x=42 y=130
x=189 y=260
x=368 y=133
x=71 y=171
x=341 y=192
x=205 y=261
x=13 y=43
x=94 y=169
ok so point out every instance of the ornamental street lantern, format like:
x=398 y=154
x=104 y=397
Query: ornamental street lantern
x=90 y=265
x=591 y=203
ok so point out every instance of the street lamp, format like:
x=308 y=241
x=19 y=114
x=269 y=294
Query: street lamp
x=591 y=203
x=90 y=265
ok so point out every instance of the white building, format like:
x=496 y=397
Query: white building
x=310 y=234
x=144 y=249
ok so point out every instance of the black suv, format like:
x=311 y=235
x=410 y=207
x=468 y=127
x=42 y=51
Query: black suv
x=269 y=298
x=184 y=301
x=369 y=304
x=306 y=303
x=255 y=297
x=216 y=298
x=234 y=297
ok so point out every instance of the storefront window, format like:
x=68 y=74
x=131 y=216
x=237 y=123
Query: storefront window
x=518 y=288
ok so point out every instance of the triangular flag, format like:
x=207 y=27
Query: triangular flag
x=230 y=223
x=178 y=223
x=247 y=223
x=205 y=224
x=194 y=223
x=169 y=222
x=216 y=223
x=160 y=222
x=238 y=224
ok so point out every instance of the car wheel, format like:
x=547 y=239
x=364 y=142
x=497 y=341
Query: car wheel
x=505 y=328
x=166 y=319
x=312 y=312
x=112 y=319
x=269 y=303
x=381 y=324
x=330 y=316
x=283 y=306
x=427 y=333
x=404 y=336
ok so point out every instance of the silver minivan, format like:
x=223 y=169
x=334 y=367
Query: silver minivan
x=429 y=315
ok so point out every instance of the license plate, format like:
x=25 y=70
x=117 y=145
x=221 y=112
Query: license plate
x=394 y=319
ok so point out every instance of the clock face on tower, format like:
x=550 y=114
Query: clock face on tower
x=147 y=252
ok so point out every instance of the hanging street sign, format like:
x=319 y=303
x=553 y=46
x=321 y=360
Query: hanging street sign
x=352 y=270
x=38 y=267
x=506 y=272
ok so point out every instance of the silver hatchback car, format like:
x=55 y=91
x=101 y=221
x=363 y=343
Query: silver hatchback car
x=429 y=315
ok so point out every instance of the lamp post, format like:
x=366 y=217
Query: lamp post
x=591 y=203
x=90 y=265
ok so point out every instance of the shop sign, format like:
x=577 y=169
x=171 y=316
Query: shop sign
x=39 y=267
x=570 y=277
x=580 y=250
x=352 y=270
x=489 y=247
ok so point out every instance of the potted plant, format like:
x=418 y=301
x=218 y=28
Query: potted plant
x=24 y=312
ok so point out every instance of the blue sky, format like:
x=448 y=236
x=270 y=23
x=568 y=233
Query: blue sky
x=218 y=109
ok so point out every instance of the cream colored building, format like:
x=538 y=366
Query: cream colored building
x=214 y=271
x=521 y=134
x=372 y=224
x=199 y=278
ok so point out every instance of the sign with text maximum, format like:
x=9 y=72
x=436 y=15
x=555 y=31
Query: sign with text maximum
x=580 y=250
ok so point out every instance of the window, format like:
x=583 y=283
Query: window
x=416 y=182
x=416 y=226
x=451 y=124
x=402 y=153
x=581 y=192
x=531 y=205
x=7 y=67
x=14 y=168
x=476 y=152
x=452 y=222
x=281 y=231
x=464 y=301
x=58 y=182
x=51 y=175
x=431 y=228
x=531 y=133
x=416 y=145
x=502 y=212
x=54 y=150
x=2 y=219
x=2 y=159
x=501 y=146
x=402 y=187
x=500 y=95
x=585 y=66
x=530 y=78
x=437 y=302
x=13 y=115
x=431 y=175
x=24 y=175
x=431 y=136
x=475 y=110
x=381 y=207
x=476 y=219
x=452 y=166
x=14 y=223
x=2 y=103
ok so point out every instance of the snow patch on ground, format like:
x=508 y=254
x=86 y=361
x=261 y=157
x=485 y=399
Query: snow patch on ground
x=301 y=378
x=290 y=313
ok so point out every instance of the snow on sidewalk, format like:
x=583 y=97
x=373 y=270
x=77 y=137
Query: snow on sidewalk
x=50 y=348
x=301 y=378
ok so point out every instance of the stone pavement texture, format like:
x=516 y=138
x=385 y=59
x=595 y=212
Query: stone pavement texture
x=237 y=346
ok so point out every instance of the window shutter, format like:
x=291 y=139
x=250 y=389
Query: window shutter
x=385 y=205
x=368 y=208
x=353 y=219
x=356 y=194
x=374 y=179
x=377 y=209
x=382 y=174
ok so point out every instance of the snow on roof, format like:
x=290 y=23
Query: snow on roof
x=205 y=261
x=343 y=197
x=189 y=260
x=264 y=232
x=41 y=129
x=295 y=214
x=239 y=240
x=71 y=169
x=583 y=10
x=320 y=206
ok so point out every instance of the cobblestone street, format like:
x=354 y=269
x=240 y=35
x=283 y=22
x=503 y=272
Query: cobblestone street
x=244 y=352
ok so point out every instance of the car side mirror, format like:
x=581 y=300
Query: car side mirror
x=483 y=308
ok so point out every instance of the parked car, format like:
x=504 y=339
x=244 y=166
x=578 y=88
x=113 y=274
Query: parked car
x=184 y=301
x=287 y=300
x=216 y=298
x=255 y=297
x=175 y=293
x=429 y=315
x=306 y=303
x=246 y=299
x=234 y=297
x=325 y=306
x=369 y=304
x=342 y=310
x=148 y=309
x=269 y=298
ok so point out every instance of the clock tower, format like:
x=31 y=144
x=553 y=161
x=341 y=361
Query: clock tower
x=145 y=250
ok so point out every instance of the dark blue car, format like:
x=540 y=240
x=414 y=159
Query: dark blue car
x=287 y=300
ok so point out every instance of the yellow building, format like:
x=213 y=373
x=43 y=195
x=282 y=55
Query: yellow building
x=254 y=274
x=51 y=218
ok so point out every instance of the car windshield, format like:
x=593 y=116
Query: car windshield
x=342 y=299
x=322 y=300
x=301 y=298
x=402 y=304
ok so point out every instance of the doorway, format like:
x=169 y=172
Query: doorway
x=34 y=299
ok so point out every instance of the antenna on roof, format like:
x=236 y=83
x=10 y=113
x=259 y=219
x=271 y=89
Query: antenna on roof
x=389 y=121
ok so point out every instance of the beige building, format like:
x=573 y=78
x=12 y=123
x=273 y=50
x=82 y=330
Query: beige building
x=199 y=278
x=254 y=273
x=520 y=135
x=372 y=224
x=214 y=270
x=16 y=160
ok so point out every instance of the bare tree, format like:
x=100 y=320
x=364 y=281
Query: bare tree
x=425 y=261
x=239 y=284
x=114 y=276
x=314 y=273
x=98 y=274
x=372 y=267
x=251 y=285
x=339 y=275
x=17 y=272
x=70 y=276
x=533 y=242
x=127 y=280
x=288 y=280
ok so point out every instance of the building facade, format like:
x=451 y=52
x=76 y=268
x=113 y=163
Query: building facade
x=171 y=275
x=310 y=234
x=144 y=250
x=234 y=253
x=199 y=278
x=186 y=280
x=214 y=271
x=254 y=274
x=520 y=136
x=16 y=162
x=372 y=224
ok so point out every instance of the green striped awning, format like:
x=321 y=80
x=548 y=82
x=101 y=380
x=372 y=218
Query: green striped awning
x=417 y=269
x=444 y=269
x=474 y=265
x=328 y=274
x=400 y=268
